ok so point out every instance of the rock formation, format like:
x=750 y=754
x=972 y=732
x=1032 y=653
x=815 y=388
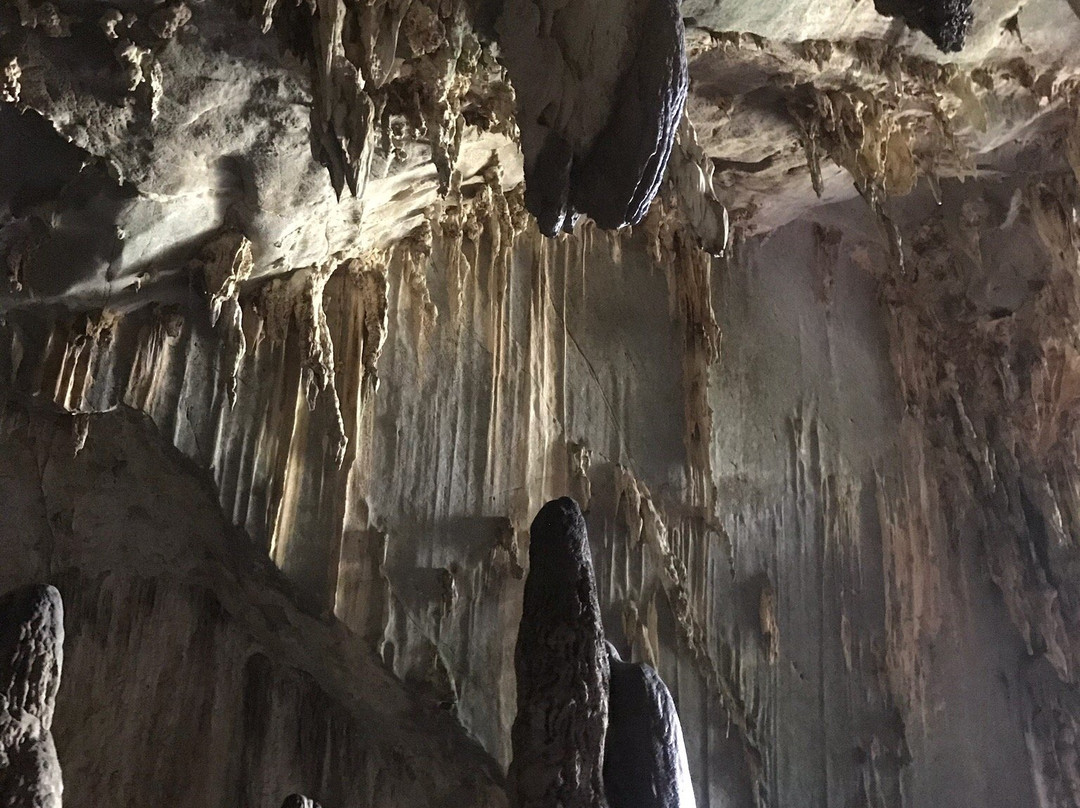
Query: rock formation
x=581 y=712
x=562 y=670
x=299 y=801
x=946 y=22
x=287 y=368
x=597 y=112
x=31 y=661
x=645 y=762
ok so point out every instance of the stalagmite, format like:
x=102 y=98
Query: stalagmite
x=31 y=659
x=562 y=670
x=645 y=762
x=299 y=801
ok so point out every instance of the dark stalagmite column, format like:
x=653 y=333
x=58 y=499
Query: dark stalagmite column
x=562 y=670
x=645 y=756
x=31 y=657
x=299 y=801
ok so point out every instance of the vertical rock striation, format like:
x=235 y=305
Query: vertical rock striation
x=194 y=650
x=280 y=449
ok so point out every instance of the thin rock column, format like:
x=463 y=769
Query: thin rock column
x=31 y=659
x=562 y=670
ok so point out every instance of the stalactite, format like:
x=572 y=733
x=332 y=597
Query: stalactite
x=227 y=264
x=864 y=136
x=847 y=548
x=946 y=22
x=599 y=146
x=415 y=254
x=390 y=57
x=703 y=214
x=369 y=274
x=689 y=269
x=299 y=300
x=88 y=339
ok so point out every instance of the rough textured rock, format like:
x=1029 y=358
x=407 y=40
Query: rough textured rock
x=617 y=180
x=562 y=670
x=728 y=505
x=946 y=22
x=597 y=112
x=645 y=762
x=161 y=144
x=31 y=661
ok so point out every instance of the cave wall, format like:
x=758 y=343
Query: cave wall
x=192 y=677
x=287 y=371
x=830 y=501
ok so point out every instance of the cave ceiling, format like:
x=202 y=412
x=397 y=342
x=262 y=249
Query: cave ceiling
x=135 y=134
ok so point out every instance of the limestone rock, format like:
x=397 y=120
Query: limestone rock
x=280 y=445
x=249 y=681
